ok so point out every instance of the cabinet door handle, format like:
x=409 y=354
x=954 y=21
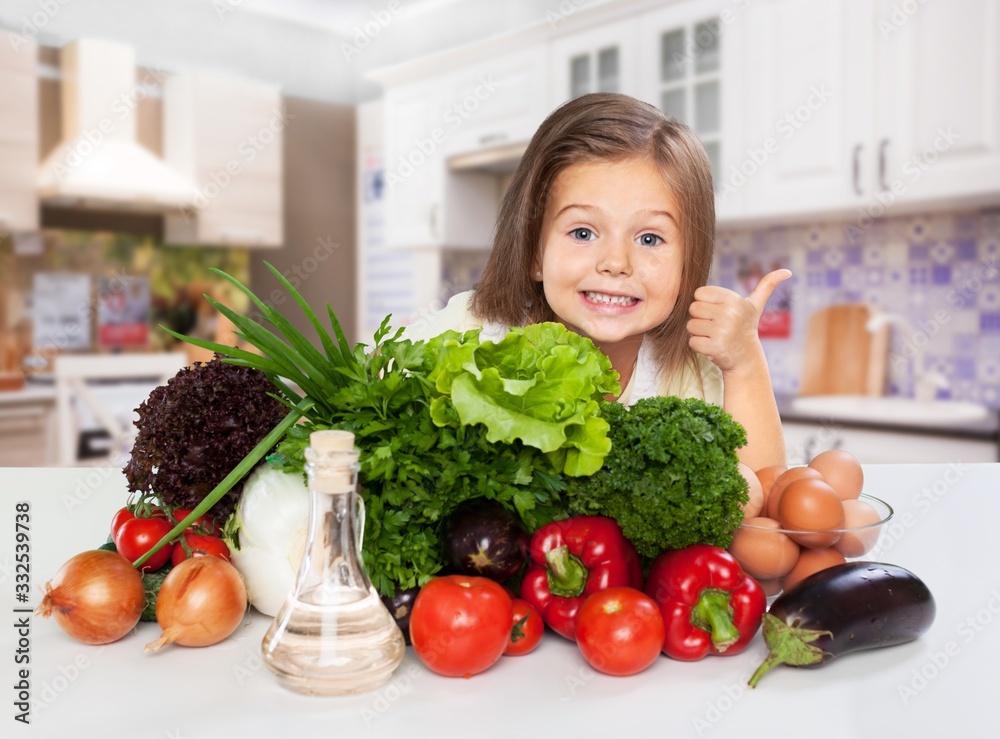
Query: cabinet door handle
x=857 y=169
x=435 y=210
x=492 y=138
x=881 y=164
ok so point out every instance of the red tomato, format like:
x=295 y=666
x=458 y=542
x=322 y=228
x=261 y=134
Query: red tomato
x=526 y=632
x=201 y=525
x=620 y=631
x=460 y=624
x=138 y=535
x=200 y=545
x=123 y=515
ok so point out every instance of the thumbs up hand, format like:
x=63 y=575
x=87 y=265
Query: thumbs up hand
x=723 y=325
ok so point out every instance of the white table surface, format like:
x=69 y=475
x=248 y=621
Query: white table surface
x=947 y=521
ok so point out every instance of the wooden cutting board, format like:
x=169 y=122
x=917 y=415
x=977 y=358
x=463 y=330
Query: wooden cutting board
x=842 y=357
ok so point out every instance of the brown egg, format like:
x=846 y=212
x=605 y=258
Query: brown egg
x=811 y=505
x=842 y=471
x=781 y=482
x=856 y=543
x=764 y=554
x=810 y=561
x=756 y=493
x=766 y=476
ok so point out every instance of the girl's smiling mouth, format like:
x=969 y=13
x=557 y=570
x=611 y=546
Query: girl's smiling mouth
x=602 y=299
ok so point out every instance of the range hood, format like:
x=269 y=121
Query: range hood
x=99 y=162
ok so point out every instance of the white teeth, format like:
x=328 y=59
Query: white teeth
x=610 y=299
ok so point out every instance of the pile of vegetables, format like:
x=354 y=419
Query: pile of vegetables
x=503 y=495
x=437 y=423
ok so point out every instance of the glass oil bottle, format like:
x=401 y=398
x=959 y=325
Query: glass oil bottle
x=333 y=635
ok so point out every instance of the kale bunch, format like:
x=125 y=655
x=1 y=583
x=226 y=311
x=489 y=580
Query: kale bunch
x=671 y=479
x=195 y=429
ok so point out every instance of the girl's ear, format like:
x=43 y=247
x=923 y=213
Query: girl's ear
x=536 y=269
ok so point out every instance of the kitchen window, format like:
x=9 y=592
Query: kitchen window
x=581 y=79
x=690 y=83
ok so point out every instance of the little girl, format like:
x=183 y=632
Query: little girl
x=608 y=227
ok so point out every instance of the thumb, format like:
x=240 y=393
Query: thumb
x=766 y=286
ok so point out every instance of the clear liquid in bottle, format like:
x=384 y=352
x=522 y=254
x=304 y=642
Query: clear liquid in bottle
x=333 y=635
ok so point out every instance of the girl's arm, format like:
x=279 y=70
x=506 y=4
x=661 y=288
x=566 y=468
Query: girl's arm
x=723 y=327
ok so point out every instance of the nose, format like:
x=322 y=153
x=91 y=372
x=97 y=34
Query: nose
x=614 y=258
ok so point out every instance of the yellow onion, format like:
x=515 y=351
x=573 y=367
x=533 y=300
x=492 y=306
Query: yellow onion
x=96 y=597
x=200 y=603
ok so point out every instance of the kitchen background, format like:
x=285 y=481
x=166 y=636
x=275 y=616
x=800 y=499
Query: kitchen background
x=362 y=147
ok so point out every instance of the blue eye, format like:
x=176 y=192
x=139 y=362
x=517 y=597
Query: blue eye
x=582 y=234
x=650 y=240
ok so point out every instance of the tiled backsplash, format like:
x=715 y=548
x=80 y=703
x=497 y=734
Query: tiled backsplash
x=940 y=273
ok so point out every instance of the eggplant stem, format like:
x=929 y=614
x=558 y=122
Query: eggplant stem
x=772 y=661
x=789 y=645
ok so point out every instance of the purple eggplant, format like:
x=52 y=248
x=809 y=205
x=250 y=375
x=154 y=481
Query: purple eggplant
x=484 y=539
x=843 y=609
x=400 y=606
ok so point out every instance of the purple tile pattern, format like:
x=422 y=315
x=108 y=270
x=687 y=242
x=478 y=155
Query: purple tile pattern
x=940 y=272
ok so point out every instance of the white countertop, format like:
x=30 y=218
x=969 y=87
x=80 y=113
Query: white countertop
x=945 y=531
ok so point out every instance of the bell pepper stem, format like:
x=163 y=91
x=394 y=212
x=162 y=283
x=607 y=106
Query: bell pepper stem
x=567 y=574
x=712 y=614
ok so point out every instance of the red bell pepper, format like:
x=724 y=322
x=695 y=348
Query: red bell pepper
x=709 y=604
x=570 y=560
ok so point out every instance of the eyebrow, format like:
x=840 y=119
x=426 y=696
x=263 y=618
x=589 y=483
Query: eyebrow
x=665 y=213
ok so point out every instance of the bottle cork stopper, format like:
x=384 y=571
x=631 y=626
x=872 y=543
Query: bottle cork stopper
x=331 y=440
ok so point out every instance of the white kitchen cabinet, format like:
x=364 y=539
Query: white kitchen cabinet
x=428 y=204
x=803 y=441
x=809 y=106
x=600 y=58
x=861 y=105
x=497 y=103
x=19 y=129
x=690 y=67
x=414 y=164
x=226 y=134
x=938 y=99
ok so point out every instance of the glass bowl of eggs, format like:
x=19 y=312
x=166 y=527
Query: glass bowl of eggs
x=802 y=520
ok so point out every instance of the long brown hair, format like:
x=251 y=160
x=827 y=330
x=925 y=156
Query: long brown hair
x=599 y=126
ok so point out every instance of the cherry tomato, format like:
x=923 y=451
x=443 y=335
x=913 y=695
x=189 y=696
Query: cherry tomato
x=123 y=515
x=620 y=631
x=200 y=545
x=460 y=624
x=202 y=524
x=138 y=535
x=527 y=629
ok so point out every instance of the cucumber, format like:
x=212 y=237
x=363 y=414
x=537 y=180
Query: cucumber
x=844 y=609
x=151 y=582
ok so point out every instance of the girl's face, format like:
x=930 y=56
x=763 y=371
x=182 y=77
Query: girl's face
x=611 y=252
